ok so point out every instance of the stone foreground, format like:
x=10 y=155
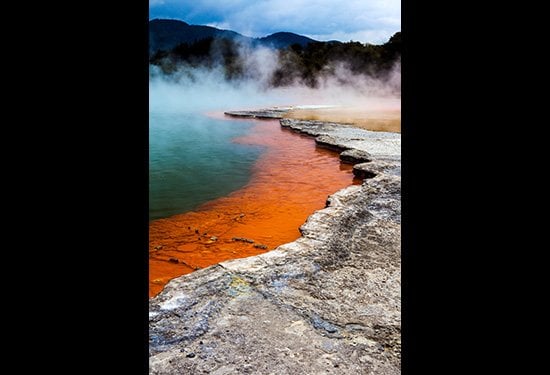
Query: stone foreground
x=328 y=302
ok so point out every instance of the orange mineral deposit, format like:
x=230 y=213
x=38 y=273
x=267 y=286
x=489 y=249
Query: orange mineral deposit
x=291 y=180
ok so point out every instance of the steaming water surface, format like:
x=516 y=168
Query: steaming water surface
x=192 y=160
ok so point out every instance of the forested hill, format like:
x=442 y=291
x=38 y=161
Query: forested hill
x=300 y=59
x=285 y=39
x=167 y=34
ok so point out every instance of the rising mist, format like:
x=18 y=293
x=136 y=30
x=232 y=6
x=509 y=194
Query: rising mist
x=221 y=74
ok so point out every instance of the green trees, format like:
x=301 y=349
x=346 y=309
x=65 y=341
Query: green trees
x=297 y=64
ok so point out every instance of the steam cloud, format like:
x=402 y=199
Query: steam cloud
x=208 y=89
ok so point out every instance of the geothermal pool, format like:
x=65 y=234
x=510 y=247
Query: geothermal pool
x=224 y=188
x=192 y=160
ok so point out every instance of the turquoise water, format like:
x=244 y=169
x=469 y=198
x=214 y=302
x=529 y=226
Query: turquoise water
x=192 y=160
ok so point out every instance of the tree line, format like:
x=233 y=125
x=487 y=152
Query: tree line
x=305 y=64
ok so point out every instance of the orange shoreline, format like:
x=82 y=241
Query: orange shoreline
x=291 y=180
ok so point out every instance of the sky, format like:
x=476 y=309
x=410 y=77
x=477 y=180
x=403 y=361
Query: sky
x=365 y=21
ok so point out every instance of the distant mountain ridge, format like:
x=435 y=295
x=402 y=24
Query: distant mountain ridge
x=285 y=39
x=165 y=34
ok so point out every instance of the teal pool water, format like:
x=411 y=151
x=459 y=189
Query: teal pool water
x=192 y=160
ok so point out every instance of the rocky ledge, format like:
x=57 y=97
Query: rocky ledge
x=328 y=302
x=266 y=113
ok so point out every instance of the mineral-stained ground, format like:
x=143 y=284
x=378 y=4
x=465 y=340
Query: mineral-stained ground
x=328 y=302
